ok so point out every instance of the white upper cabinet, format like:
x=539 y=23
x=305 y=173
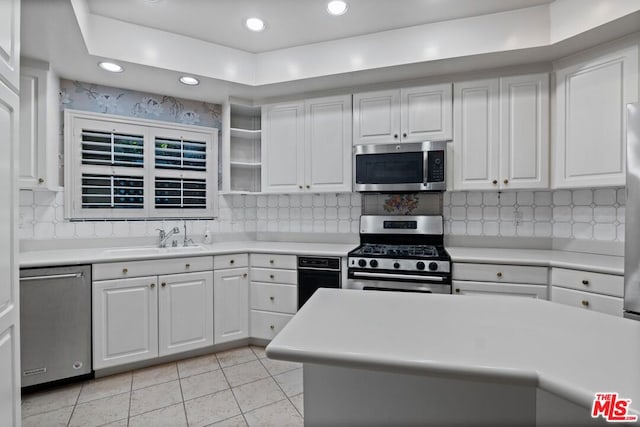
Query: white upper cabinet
x=524 y=131
x=376 y=117
x=501 y=133
x=328 y=144
x=590 y=116
x=405 y=115
x=426 y=113
x=185 y=312
x=307 y=146
x=40 y=140
x=282 y=148
x=476 y=142
x=10 y=42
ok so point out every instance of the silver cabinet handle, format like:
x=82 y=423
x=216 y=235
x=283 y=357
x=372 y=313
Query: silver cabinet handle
x=52 y=276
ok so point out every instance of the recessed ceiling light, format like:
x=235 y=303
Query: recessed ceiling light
x=337 y=7
x=255 y=24
x=189 y=81
x=110 y=66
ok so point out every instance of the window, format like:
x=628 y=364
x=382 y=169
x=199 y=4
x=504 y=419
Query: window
x=129 y=168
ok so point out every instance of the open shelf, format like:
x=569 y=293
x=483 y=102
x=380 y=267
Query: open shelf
x=242 y=152
x=253 y=134
x=246 y=164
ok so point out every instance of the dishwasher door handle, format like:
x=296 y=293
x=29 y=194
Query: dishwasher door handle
x=52 y=276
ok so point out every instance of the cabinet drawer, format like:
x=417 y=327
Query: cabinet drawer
x=155 y=267
x=230 y=261
x=273 y=275
x=289 y=262
x=271 y=297
x=505 y=289
x=587 y=300
x=500 y=273
x=266 y=325
x=607 y=284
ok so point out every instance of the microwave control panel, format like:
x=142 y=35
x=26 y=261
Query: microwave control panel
x=435 y=169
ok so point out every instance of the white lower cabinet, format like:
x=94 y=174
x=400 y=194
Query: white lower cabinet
x=506 y=289
x=592 y=291
x=144 y=317
x=266 y=325
x=230 y=304
x=498 y=279
x=274 y=293
x=587 y=300
x=125 y=321
x=185 y=312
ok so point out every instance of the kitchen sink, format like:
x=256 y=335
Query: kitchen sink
x=179 y=249
x=151 y=250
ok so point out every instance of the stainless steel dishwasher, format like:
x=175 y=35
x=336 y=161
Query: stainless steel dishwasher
x=55 y=323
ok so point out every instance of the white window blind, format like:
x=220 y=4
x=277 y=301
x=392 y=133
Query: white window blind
x=130 y=168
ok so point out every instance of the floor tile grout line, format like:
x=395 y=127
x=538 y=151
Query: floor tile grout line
x=184 y=406
x=130 y=399
x=75 y=404
x=234 y=395
x=284 y=392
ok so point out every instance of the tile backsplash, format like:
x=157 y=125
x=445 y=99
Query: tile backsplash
x=592 y=214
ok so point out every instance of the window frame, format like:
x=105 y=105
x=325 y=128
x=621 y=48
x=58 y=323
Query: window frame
x=74 y=123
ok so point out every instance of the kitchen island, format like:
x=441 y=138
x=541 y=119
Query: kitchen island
x=382 y=358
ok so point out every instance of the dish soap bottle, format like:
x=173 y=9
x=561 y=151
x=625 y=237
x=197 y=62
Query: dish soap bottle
x=207 y=237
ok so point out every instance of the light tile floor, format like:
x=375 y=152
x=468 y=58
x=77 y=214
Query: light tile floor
x=239 y=387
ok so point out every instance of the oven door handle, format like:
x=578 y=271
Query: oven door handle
x=398 y=276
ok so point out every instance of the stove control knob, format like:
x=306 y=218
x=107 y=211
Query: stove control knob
x=373 y=263
x=396 y=265
x=433 y=266
x=420 y=265
x=362 y=263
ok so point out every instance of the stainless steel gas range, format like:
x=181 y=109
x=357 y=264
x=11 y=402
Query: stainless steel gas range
x=400 y=253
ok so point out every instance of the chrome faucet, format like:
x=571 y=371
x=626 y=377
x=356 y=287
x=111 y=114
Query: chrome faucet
x=186 y=239
x=164 y=236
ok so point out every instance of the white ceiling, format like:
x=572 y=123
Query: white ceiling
x=291 y=22
x=50 y=32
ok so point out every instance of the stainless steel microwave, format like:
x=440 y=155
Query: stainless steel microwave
x=404 y=167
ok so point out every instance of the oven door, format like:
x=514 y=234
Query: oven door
x=400 y=167
x=398 y=286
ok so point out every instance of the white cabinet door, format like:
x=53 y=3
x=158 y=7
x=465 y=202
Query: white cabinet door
x=376 y=117
x=426 y=113
x=39 y=127
x=476 y=142
x=524 y=132
x=10 y=43
x=328 y=144
x=230 y=304
x=504 y=289
x=590 y=136
x=9 y=293
x=283 y=148
x=185 y=312
x=125 y=321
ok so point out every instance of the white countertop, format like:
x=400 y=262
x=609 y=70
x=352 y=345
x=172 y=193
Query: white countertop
x=548 y=258
x=567 y=351
x=99 y=255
